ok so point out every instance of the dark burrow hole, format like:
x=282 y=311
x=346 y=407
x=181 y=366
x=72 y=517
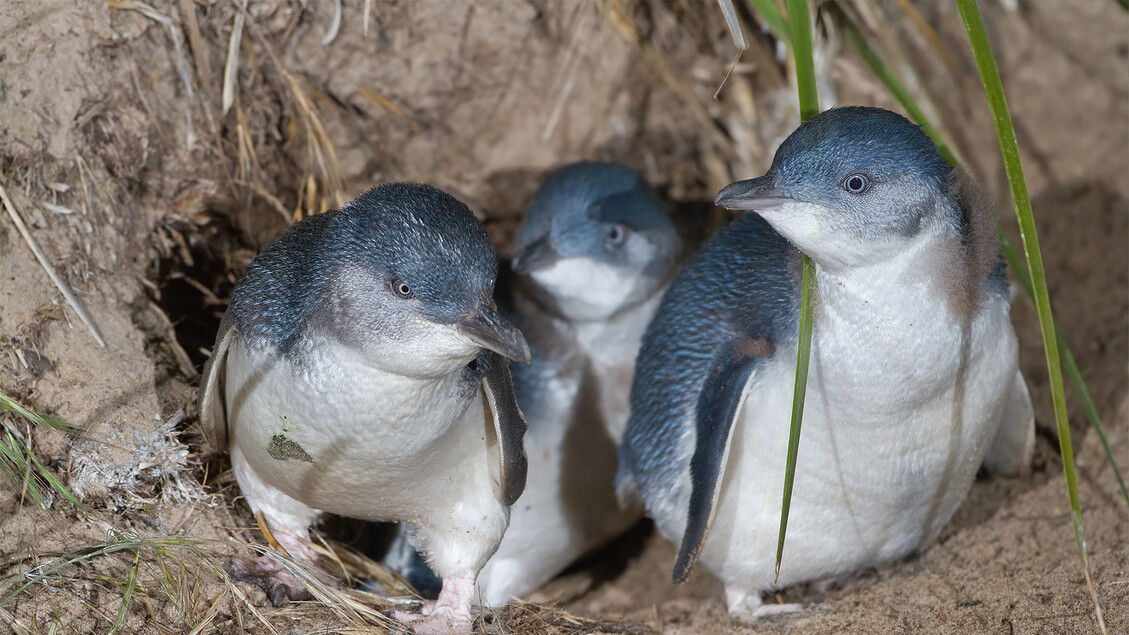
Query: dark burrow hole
x=193 y=279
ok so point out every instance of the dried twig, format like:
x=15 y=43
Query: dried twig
x=334 y=26
x=43 y=262
x=231 y=67
x=142 y=8
x=196 y=41
x=739 y=40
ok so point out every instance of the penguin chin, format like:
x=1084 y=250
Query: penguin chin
x=426 y=350
x=584 y=290
x=818 y=231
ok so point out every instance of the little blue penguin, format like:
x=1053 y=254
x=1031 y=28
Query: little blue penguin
x=914 y=380
x=593 y=257
x=359 y=370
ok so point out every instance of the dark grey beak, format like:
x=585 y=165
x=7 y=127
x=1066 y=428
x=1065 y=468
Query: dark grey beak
x=538 y=254
x=752 y=195
x=490 y=330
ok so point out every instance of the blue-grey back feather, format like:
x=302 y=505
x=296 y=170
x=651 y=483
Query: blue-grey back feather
x=743 y=283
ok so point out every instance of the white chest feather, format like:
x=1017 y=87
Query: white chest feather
x=611 y=347
x=587 y=289
x=341 y=436
x=569 y=505
x=903 y=400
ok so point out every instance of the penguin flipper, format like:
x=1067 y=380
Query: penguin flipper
x=211 y=402
x=1011 y=450
x=719 y=403
x=509 y=425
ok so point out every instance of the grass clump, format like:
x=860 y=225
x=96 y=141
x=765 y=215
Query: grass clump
x=19 y=464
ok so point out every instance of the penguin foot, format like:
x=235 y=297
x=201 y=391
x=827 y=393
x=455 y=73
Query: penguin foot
x=449 y=614
x=746 y=607
x=280 y=585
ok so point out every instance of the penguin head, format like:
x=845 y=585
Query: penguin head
x=410 y=279
x=596 y=240
x=852 y=186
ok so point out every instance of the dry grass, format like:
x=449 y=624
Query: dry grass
x=179 y=584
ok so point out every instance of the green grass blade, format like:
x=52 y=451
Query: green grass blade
x=800 y=20
x=1016 y=262
x=130 y=585
x=20 y=465
x=993 y=87
x=798 y=397
x=17 y=470
x=772 y=17
x=55 y=483
x=11 y=405
x=897 y=89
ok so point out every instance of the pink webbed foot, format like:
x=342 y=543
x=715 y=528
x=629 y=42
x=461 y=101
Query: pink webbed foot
x=449 y=614
x=745 y=606
x=279 y=583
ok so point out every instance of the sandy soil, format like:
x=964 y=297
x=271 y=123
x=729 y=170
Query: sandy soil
x=150 y=199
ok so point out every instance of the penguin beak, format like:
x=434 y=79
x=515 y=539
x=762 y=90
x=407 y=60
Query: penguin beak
x=539 y=254
x=752 y=195
x=490 y=330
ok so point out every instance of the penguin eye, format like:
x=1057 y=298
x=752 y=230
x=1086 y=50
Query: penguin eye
x=617 y=234
x=856 y=183
x=400 y=288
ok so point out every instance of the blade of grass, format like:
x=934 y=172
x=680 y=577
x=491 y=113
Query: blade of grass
x=800 y=20
x=23 y=469
x=15 y=467
x=734 y=24
x=993 y=87
x=897 y=89
x=894 y=85
x=772 y=18
x=54 y=482
x=130 y=585
x=21 y=466
x=1017 y=265
x=11 y=405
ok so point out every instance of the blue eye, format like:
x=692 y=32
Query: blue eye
x=856 y=183
x=400 y=288
x=617 y=234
